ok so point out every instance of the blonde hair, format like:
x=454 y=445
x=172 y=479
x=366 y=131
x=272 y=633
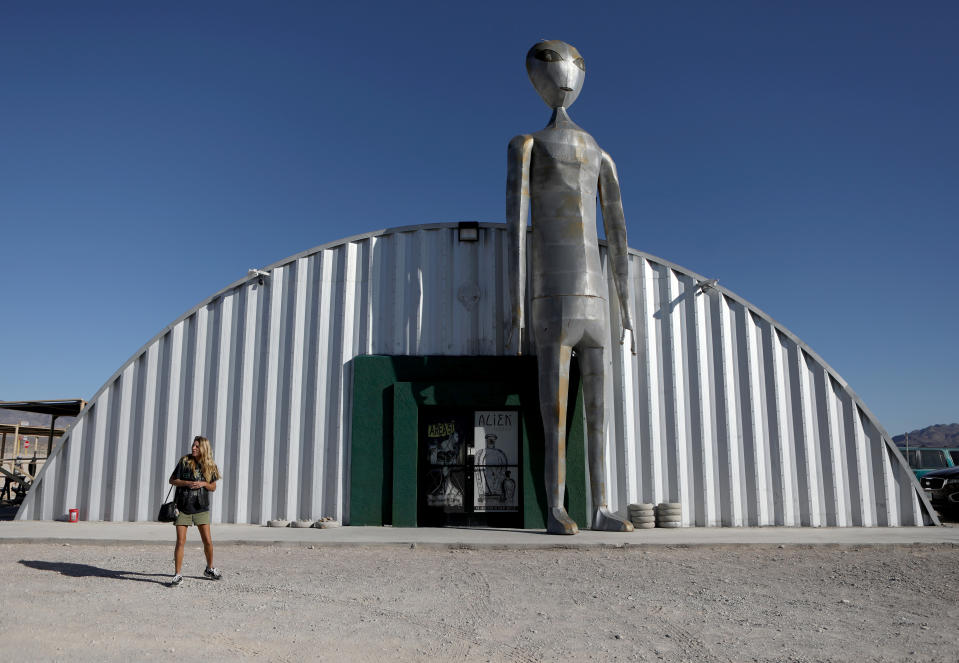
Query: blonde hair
x=208 y=468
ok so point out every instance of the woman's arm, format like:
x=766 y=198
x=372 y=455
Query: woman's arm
x=193 y=485
x=180 y=483
x=183 y=483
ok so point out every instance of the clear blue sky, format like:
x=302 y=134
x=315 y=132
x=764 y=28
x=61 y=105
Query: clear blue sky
x=805 y=153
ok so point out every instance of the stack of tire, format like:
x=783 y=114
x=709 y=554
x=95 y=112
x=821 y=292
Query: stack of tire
x=669 y=514
x=642 y=516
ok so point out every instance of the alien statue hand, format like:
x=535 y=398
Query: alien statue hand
x=632 y=338
x=515 y=327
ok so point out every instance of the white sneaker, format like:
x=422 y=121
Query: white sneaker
x=177 y=579
x=212 y=573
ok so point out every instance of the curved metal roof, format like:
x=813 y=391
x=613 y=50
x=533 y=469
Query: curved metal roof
x=639 y=257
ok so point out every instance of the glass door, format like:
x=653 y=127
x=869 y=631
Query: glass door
x=469 y=468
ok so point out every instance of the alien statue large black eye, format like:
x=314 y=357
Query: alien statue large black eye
x=547 y=55
x=579 y=63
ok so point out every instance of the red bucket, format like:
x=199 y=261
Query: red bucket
x=74 y=515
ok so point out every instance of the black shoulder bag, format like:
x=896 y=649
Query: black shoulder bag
x=168 y=510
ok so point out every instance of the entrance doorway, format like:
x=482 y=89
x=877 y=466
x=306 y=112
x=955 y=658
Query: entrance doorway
x=389 y=449
x=469 y=468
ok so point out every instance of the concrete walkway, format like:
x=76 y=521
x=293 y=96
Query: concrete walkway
x=161 y=533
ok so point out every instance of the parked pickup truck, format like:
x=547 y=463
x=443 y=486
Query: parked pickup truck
x=942 y=489
x=924 y=460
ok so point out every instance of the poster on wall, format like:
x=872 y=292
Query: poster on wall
x=446 y=437
x=495 y=460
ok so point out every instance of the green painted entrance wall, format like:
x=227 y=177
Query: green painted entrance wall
x=384 y=454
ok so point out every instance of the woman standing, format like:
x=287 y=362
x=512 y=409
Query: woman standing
x=195 y=477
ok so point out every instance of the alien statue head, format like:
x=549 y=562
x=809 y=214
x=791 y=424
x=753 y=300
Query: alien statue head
x=557 y=71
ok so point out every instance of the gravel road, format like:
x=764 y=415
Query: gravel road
x=736 y=603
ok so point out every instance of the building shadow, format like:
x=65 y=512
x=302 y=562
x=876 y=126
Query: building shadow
x=517 y=530
x=74 y=570
x=667 y=308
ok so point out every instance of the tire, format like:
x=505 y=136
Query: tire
x=326 y=524
x=301 y=523
x=644 y=525
x=668 y=512
x=643 y=519
x=669 y=524
x=670 y=505
x=278 y=523
x=672 y=518
x=641 y=507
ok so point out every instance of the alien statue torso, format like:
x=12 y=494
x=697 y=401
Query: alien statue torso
x=564 y=171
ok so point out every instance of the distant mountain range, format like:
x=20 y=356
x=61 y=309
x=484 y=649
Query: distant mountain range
x=940 y=435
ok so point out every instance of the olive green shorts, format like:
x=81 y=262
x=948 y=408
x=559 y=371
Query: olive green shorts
x=187 y=519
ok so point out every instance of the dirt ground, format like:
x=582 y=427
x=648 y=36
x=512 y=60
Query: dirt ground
x=737 y=603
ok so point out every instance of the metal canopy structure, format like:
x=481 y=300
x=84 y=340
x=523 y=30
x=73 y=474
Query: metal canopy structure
x=34 y=431
x=12 y=473
x=57 y=408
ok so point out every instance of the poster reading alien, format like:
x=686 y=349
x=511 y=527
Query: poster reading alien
x=495 y=468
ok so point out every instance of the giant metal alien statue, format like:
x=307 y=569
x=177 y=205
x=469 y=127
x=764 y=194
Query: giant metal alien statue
x=559 y=170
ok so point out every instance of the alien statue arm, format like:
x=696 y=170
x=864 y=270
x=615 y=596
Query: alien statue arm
x=614 y=221
x=517 y=213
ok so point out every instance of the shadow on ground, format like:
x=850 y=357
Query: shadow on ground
x=87 y=571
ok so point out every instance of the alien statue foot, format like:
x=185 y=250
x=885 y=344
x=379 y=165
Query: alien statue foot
x=607 y=521
x=559 y=522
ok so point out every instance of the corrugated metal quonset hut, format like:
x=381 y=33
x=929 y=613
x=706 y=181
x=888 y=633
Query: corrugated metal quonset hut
x=324 y=385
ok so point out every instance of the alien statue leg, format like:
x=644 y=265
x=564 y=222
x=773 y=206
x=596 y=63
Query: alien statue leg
x=553 y=360
x=592 y=368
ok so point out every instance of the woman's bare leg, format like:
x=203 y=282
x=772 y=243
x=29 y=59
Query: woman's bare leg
x=178 y=550
x=207 y=539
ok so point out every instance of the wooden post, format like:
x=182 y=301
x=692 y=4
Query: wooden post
x=53 y=420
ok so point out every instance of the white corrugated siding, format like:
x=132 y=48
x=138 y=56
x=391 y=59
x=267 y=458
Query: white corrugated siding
x=720 y=408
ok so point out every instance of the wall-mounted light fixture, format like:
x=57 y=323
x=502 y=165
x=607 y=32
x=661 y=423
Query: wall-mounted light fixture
x=259 y=274
x=468 y=231
x=706 y=285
